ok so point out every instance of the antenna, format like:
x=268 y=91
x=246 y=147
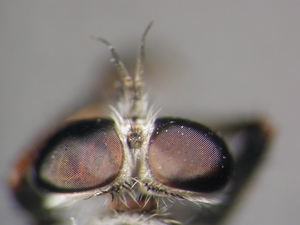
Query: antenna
x=134 y=102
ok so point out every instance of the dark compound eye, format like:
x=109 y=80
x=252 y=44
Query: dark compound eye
x=188 y=156
x=81 y=156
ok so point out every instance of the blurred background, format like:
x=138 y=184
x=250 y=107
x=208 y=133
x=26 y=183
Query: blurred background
x=223 y=59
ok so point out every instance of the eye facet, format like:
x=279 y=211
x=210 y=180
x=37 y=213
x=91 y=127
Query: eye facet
x=188 y=156
x=81 y=156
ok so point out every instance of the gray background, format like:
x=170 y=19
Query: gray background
x=219 y=58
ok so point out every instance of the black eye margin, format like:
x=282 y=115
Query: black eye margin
x=77 y=129
x=207 y=184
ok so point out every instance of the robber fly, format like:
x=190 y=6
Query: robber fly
x=134 y=168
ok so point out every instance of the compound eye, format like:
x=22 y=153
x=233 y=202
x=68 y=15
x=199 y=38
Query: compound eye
x=81 y=156
x=188 y=156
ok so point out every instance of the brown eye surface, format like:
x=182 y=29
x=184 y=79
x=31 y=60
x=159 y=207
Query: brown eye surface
x=188 y=156
x=83 y=155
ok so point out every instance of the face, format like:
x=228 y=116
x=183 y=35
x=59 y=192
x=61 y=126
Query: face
x=134 y=167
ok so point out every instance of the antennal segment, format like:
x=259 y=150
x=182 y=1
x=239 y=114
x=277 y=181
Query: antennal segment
x=119 y=65
x=139 y=71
